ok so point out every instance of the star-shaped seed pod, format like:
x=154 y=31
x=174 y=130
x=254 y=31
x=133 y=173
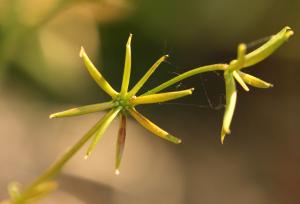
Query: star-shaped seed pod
x=122 y=103
x=233 y=72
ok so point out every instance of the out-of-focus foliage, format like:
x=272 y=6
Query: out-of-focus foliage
x=41 y=39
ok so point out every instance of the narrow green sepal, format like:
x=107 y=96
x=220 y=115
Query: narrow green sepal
x=106 y=121
x=146 y=123
x=160 y=97
x=127 y=67
x=239 y=62
x=96 y=75
x=120 y=142
x=240 y=80
x=254 y=81
x=144 y=79
x=231 y=96
x=83 y=110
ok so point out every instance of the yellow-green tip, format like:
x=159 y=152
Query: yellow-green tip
x=82 y=51
x=289 y=31
x=87 y=155
x=223 y=134
x=117 y=172
x=129 y=39
x=52 y=116
x=173 y=139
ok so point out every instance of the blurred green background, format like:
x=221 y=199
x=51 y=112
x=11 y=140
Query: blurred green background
x=41 y=73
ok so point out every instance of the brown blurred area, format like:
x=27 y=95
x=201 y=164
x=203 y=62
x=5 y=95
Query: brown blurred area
x=41 y=73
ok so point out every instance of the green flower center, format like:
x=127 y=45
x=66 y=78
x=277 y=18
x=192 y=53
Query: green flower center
x=122 y=102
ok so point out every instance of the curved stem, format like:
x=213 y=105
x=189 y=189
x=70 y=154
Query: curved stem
x=185 y=75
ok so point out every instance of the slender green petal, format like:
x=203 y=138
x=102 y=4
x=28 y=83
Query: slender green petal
x=144 y=79
x=98 y=135
x=160 y=97
x=185 y=75
x=152 y=127
x=269 y=47
x=120 y=142
x=127 y=68
x=96 y=75
x=83 y=110
x=240 y=80
x=231 y=96
x=254 y=81
x=239 y=62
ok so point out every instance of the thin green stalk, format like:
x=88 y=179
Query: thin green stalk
x=57 y=166
x=185 y=75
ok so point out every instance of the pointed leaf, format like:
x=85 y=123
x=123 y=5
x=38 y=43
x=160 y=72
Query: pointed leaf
x=83 y=110
x=98 y=135
x=146 y=123
x=160 y=97
x=231 y=96
x=127 y=67
x=254 y=81
x=144 y=79
x=120 y=142
x=96 y=75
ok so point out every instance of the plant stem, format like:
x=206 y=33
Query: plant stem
x=185 y=75
x=57 y=166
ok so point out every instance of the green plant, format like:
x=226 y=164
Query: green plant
x=124 y=103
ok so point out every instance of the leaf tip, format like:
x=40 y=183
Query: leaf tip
x=190 y=91
x=173 y=139
x=117 y=172
x=242 y=48
x=166 y=57
x=129 y=39
x=82 y=52
x=288 y=31
x=224 y=132
x=87 y=155
x=52 y=116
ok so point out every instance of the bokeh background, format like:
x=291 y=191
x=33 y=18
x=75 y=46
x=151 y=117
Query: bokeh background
x=41 y=73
